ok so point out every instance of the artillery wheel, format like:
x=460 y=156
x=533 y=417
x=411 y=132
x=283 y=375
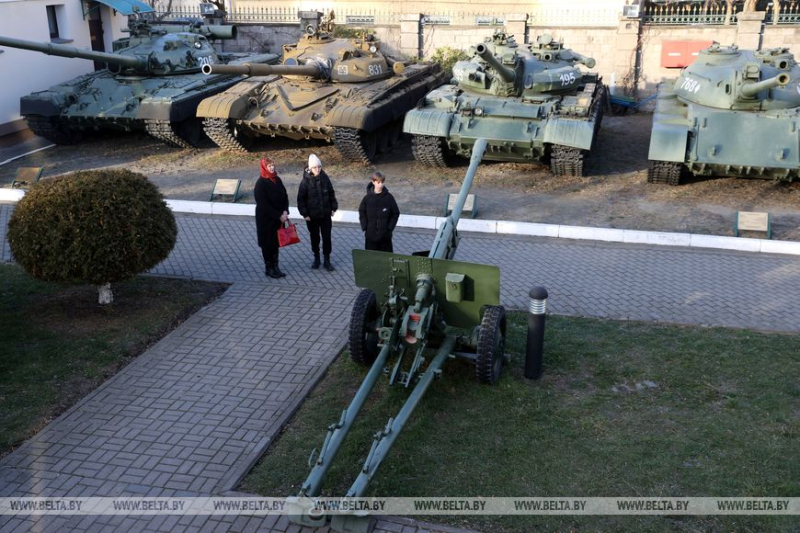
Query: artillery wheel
x=356 y=145
x=491 y=344
x=667 y=172
x=164 y=131
x=566 y=161
x=53 y=129
x=226 y=135
x=430 y=151
x=363 y=339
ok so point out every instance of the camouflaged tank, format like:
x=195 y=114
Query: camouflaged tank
x=531 y=102
x=344 y=91
x=730 y=113
x=153 y=82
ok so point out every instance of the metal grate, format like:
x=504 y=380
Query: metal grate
x=688 y=13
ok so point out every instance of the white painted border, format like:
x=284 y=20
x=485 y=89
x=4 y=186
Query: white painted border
x=657 y=238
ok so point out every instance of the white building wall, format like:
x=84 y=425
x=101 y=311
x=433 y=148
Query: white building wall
x=24 y=71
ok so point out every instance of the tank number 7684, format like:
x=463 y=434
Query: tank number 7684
x=690 y=85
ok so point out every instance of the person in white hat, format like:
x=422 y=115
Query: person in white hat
x=316 y=201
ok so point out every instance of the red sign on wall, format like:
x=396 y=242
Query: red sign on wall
x=679 y=54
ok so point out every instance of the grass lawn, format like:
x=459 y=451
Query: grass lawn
x=623 y=409
x=57 y=344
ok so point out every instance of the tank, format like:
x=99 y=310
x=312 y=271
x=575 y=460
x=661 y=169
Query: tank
x=343 y=91
x=532 y=103
x=731 y=113
x=152 y=81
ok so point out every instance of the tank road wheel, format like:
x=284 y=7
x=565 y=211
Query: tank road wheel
x=491 y=344
x=430 y=151
x=667 y=172
x=53 y=129
x=363 y=339
x=227 y=136
x=566 y=161
x=163 y=131
x=356 y=145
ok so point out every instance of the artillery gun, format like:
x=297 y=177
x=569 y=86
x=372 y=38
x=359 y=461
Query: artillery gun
x=343 y=91
x=730 y=113
x=152 y=81
x=530 y=102
x=410 y=305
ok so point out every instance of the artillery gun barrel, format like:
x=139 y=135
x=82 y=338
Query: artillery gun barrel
x=444 y=243
x=752 y=89
x=507 y=74
x=70 y=51
x=257 y=69
x=215 y=31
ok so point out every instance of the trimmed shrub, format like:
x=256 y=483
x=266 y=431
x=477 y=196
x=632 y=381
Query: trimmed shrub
x=447 y=57
x=97 y=226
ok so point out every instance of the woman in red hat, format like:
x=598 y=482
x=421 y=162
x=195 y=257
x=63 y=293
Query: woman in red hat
x=272 y=210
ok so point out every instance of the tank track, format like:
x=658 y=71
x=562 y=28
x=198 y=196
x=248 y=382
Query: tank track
x=566 y=161
x=428 y=150
x=666 y=172
x=219 y=131
x=52 y=129
x=164 y=132
x=353 y=145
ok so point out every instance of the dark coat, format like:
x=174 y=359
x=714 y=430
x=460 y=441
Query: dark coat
x=378 y=214
x=271 y=202
x=316 y=197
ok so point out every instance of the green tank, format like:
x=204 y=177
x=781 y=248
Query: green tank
x=730 y=113
x=152 y=81
x=532 y=102
x=343 y=91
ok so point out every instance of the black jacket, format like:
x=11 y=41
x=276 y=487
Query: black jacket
x=378 y=214
x=271 y=202
x=316 y=197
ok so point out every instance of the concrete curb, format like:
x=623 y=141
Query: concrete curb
x=657 y=238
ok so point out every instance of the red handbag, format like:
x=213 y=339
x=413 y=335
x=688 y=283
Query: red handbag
x=287 y=235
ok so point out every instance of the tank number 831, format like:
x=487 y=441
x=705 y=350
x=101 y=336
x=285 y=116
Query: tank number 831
x=690 y=85
x=374 y=70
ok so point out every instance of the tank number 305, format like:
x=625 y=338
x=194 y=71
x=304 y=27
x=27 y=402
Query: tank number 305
x=567 y=79
x=690 y=85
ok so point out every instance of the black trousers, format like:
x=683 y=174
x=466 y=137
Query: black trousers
x=317 y=227
x=381 y=245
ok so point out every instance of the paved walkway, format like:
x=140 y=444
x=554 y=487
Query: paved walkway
x=193 y=413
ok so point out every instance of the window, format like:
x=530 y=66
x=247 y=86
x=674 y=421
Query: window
x=52 y=21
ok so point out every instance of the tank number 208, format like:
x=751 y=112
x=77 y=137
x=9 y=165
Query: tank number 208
x=690 y=85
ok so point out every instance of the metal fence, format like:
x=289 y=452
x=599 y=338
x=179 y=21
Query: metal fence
x=789 y=13
x=689 y=13
x=286 y=15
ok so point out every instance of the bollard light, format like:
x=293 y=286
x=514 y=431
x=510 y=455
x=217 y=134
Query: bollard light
x=537 y=313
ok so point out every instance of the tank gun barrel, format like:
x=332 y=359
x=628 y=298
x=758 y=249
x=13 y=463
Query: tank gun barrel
x=507 y=74
x=70 y=51
x=257 y=69
x=227 y=31
x=587 y=61
x=752 y=89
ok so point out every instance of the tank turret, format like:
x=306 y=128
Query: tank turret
x=344 y=91
x=733 y=112
x=530 y=101
x=152 y=81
